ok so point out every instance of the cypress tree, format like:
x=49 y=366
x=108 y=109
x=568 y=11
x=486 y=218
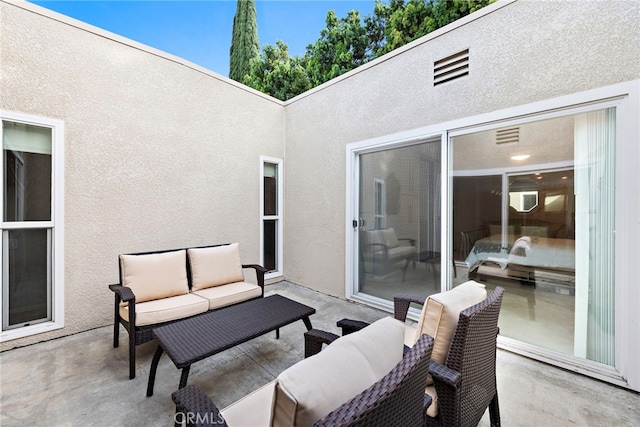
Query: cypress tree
x=244 y=40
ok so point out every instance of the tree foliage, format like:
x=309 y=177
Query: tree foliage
x=278 y=74
x=244 y=40
x=347 y=43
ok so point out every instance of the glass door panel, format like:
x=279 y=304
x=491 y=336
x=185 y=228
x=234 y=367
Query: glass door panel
x=549 y=243
x=399 y=228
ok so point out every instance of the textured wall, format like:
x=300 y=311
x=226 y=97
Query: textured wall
x=160 y=154
x=157 y=154
x=523 y=52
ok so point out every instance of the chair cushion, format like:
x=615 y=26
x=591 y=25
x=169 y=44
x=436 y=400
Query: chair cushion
x=389 y=238
x=215 y=266
x=166 y=309
x=254 y=409
x=315 y=386
x=439 y=317
x=155 y=276
x=231 y=293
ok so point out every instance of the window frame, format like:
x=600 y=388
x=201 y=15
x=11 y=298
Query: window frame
x=278 y=218
x=56 y=225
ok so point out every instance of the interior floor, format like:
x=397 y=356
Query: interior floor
x=530 y=314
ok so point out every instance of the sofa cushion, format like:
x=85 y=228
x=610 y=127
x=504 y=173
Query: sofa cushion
x=315 y=386
x=389 y=238
x=215 y=266
x=254 y=409
x=155 y=276
x=166 y=309
x=231 y=293
x=439 y=317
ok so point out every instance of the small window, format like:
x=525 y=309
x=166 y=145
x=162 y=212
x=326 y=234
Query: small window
x=31 y=229
x=271 y=216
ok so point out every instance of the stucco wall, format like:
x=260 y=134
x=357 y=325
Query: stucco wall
x=157 y=154
x=520 y=53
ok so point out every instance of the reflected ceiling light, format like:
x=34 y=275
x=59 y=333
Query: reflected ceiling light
x=520 y=157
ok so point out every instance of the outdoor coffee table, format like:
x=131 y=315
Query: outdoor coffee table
x=190 y=340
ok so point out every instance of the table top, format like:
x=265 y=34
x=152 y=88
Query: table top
x=196 y=338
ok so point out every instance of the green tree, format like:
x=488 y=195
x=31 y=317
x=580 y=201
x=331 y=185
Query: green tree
x=401 y=23
x=343 y=45
x=244 y=40
x=277 y=74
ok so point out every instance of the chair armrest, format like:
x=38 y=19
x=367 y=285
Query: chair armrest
x=384 y=247
x=313 y=340
x=350 y=326
x=124 y=293
x=260 y=271
x=440 y=372
x=196 y=408
x=408 y=239
x=401 y=305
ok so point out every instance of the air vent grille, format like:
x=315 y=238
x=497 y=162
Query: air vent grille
x=450 y=68
x=505 y=136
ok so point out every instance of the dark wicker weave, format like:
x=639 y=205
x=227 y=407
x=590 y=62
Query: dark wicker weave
x=195 y=409
x=466 y=383
x=141 y=334
x=398 y=399
x=195 y=338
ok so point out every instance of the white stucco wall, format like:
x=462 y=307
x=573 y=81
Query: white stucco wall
x=161 y=153
x=158 y=154
x=520 y=53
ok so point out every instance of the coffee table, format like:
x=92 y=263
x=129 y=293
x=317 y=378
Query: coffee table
x=190 y=340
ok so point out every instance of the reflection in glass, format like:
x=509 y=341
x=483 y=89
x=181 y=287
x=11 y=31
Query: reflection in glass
x=27 y=274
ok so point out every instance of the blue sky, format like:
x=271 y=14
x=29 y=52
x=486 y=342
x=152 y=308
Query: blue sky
x=200 y=31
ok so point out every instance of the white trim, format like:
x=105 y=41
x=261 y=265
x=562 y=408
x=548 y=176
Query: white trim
x=56 y=224
x=626 y=98
x=279 y=272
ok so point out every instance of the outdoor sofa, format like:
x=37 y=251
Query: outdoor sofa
x=157 y=288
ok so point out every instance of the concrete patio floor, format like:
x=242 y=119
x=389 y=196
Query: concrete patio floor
x=82 y=380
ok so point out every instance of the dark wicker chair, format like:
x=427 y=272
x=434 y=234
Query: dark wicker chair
x=466 y=383
x=396 y=400
x=142 y=334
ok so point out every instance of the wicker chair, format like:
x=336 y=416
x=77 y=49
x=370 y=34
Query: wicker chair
x=466 y=382
x=396 y=399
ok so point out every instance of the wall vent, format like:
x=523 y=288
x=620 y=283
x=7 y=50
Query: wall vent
x=504 y=136
x=451 y=67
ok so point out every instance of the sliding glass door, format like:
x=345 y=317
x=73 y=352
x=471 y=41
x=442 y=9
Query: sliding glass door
x=534 y=214
x=398 y=229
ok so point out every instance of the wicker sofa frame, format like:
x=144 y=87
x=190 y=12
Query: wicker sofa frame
x=142 y=334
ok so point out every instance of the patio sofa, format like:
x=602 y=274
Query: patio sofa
x=360 y=379
x=157 y=288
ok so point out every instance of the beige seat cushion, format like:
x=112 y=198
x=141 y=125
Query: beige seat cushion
x=231 y=293
x=166 y=309
x=439 y=317
x=315 y=386
x=389 y=238
x=215 y=266
x=155 y=276
x=253 y=410
x=432 y=410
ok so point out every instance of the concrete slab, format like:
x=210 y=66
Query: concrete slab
x=82 y=380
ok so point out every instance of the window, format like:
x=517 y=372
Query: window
x=271 y=216
x=32 y=222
